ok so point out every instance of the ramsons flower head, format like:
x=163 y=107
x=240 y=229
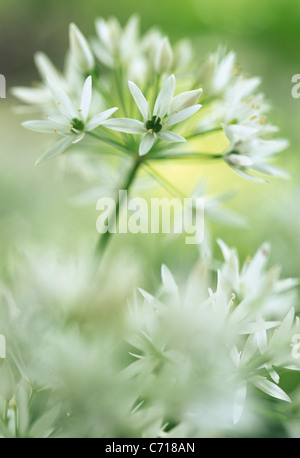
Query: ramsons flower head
x=72 y=122
x=168 y=111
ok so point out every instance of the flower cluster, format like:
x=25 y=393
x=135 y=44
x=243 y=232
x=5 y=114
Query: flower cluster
x=202 y=353
x=118 y=62
x=190 y=361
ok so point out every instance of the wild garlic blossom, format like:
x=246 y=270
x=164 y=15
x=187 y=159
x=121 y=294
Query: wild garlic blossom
x=186 y=342
x=168 y=111
x=73 y=123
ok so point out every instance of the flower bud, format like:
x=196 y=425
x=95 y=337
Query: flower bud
x=164 y=57
x=80 y=50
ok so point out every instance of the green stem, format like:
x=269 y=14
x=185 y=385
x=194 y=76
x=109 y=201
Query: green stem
x=204 y=132
x=188 y=155
x=104 y=238
x=110 y=141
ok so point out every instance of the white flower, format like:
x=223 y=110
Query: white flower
x=72 y=123
x=168 y=110
x=80 y=50
x=216 y=72
x=113 y=45
x=164 y=56
x=249 y=151
x=40 y=96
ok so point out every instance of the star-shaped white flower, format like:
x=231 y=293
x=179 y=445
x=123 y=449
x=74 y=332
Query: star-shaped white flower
x=168 y=110
x=248 y=151
x=72 y=123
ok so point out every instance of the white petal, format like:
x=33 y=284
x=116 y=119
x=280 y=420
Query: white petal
x=46 y=68
x=182 y=115
x=169 y=136
x=164 y=98
x=240 y=160
x=146 y=144
x=164 y=56
x=102 y=54
x=185 y=100
x=57 y=148
x=99 y=118
x=249 y=349
x=62 y=100
x=31 y=94
x=168 y=279
x=251 y=328
x=127 y=125
x=46 y=126
x=80 y=49
x=263 y=384
x=246 y=175
x=239 y=402
x=86 y=98
x=2 y=347
x=140 y=100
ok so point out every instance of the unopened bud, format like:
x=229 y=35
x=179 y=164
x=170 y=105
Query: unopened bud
x=80 y=50
x=164 y=57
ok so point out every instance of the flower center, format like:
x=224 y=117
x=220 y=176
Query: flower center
x=154 y=124
x=77 y=124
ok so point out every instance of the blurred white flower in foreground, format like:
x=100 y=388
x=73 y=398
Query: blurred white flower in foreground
x=73 y=123
x=185 y=343
x=177 y=109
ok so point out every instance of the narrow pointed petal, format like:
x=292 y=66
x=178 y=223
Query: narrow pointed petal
x=45 y=126
x=62 y=100
x=58 y=148
x=169 y=136
x=146 y=144
x=240 y=160
x=246 y=175
x=31 y=94
x=2 y=347
x=168 y=280
x=127 y=125
x=80 y=49
x=270 y=388
x=99 y=118
x=164 y=56
x=46 y=68
x=185 y=100
x=140 y=100
x=86 y=98
x=164 y=98
x=182 y=115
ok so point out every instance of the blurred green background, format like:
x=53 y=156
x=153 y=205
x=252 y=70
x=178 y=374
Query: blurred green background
x=35 y=203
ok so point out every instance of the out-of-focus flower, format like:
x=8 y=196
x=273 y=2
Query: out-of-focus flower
x=216 y=72
x=72 y=123
x=247 y=151
x=80 y=50
x=168 y=111
x=164 y=56
x=114 y=46
x=185 y=341
x=40 y=97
